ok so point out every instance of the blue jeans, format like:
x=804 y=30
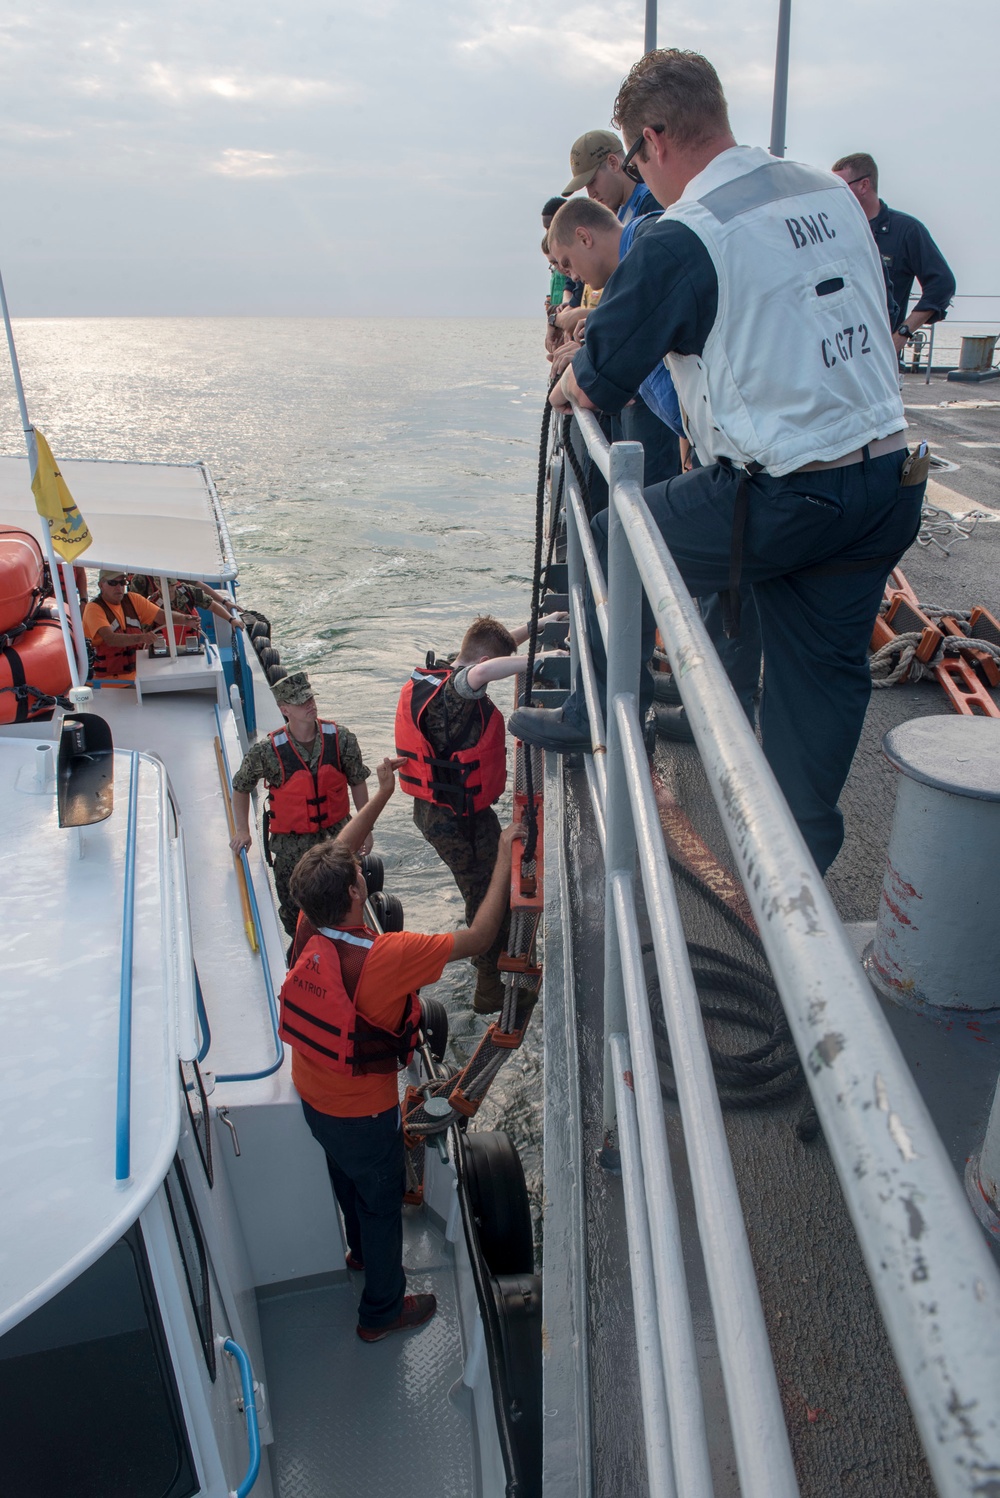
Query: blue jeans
x=366 y=1164
x=815 y=625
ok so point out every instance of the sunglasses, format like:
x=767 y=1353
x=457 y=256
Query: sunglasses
x=116 y=582
x=628 y=164
x=856 y=179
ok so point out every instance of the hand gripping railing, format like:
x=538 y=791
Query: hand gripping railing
x=236 y=1352
x=938 y=1289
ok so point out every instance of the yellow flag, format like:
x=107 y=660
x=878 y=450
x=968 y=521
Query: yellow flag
x=67 y=527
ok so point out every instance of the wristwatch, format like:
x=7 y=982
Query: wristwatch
x=904 y=329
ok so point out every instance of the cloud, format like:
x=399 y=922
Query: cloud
x=234 y=162
x=179 y=86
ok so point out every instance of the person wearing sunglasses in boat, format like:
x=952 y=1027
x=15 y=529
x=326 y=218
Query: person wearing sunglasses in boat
x=118 y=623
x=762 y=288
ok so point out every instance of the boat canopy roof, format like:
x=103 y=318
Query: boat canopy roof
x=64 y=1050
x=163 y=519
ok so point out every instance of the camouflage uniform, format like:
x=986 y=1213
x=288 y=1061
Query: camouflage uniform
x=261 y=763
x=467 y=844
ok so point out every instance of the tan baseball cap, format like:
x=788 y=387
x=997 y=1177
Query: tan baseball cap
x=293 y=690
x=587 y=154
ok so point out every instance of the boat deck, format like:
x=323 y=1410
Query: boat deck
x=849 y=1423
x=324 y=1383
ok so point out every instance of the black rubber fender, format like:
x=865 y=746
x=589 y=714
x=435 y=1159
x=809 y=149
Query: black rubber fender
x=267 y=655
x=665 y=687
x=499 y=1198
x=388 y=911
x=518 y=1301
x=260 y=631
x=373 y=870
x=435 y=1026
x=275 y=673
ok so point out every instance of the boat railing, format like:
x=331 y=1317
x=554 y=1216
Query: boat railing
x=249 y=1401
x=265 y=964
x=937 y=1285
x=123 y=1120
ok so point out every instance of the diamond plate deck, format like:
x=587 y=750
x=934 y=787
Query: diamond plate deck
x=353 y=1420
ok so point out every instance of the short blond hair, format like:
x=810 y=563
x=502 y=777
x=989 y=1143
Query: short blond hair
x=581 y=213
x=679 y=91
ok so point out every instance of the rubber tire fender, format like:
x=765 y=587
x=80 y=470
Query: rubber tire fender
x=499 y=1199
x=275 y=673
x=435 y=1026
x=373 y=870
x=388 y=910
x=518 y=1302
x=267 y=655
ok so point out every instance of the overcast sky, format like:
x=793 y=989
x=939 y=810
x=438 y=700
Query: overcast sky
x=391 y=156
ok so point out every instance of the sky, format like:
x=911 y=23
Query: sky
x=390 y=157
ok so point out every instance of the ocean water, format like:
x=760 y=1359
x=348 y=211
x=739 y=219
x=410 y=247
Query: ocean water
x=378 y=480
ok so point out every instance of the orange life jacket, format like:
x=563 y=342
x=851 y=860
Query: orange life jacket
x=462 y=780
x=116 y=660
x=318 y=1015
x=303 y=800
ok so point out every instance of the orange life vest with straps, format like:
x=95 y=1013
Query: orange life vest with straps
x=318 y=1015
x=305 y=800
x=462 y=780
x=116 y=660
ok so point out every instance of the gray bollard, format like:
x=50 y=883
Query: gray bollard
x=982 y=1174
x=935 y=943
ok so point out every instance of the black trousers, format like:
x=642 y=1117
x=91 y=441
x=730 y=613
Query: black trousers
x=366 y=1164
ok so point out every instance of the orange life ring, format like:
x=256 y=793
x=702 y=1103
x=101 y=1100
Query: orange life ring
x=35 y=659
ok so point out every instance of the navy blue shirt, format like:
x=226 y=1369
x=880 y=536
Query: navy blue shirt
x=909 y=253
x=641 y=201
x=662 y=298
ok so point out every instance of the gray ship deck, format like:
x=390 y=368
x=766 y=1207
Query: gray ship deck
x=850 y=1426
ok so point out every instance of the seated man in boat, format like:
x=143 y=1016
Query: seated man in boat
x=308 y=768
x=348 y=980
x=762 y=288
x=118 y=623
x=452 y=740
x=187 y=598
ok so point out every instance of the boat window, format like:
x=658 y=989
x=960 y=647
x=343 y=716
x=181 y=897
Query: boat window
x=88 y=1402
x=192 y=1247
x=197 y=1106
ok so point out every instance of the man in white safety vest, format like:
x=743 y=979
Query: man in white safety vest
x=762 y=288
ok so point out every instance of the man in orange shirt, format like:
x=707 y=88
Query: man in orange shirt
x=118 y=623
x=344 y=970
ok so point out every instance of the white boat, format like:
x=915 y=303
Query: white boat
x=173 y=1294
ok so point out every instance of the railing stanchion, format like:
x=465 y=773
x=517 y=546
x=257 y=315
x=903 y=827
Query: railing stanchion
x=624 y=619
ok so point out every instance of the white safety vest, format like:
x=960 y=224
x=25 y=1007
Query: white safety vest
x=799 y=366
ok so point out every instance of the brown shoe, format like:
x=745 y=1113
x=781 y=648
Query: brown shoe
x=417 y=1310
x=490 y=994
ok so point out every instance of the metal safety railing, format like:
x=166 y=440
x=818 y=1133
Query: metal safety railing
x=938 y=1288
